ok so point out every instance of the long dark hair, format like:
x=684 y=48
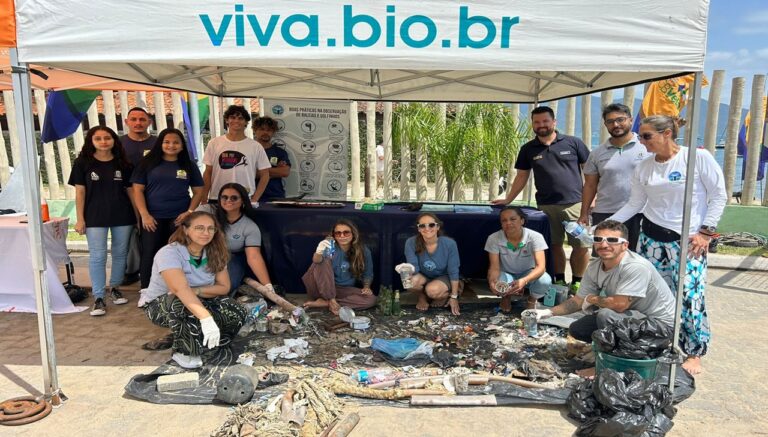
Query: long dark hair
x=118 y=151
x=421 y=246
x=217 y=250
x=246 y=208
x=155 y=155
x=356 y=252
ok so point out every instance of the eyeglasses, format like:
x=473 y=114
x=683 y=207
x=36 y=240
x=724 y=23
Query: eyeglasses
x=609 y=240
x=342 y=233
x=200 y=229
x=617 y=120
x=426 y=225
x=225 y=198
x=647 y=136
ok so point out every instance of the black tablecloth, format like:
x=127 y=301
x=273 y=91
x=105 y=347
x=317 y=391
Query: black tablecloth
x=290 y=236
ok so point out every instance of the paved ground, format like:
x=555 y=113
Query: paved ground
x=97 y=357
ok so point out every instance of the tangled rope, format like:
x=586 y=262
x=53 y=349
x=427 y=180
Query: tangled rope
x=743 y=239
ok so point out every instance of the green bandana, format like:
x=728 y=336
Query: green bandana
x=198 y=262
x=514 y=248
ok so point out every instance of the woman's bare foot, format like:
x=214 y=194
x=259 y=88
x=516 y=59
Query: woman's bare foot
x=692 y=365
x=506 y=304
x=334 y=306
x=423 y=303
x=586 y=373
x=317 y=303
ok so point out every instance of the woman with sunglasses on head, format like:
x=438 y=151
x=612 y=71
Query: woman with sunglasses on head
x=340 y=263
x=101 y=176
x=658 y=190
x=238 y=221
x=435 y=259
x=188 y=290
x=161 y=185
x=516 y=260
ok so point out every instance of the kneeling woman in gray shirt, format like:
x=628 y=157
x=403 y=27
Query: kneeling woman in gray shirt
x=435 y=259
x=188 y=290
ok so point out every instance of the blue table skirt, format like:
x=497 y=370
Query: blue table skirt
x=290 y=236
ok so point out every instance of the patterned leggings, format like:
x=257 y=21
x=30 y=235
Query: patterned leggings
x=170 y=312
x=694 y=330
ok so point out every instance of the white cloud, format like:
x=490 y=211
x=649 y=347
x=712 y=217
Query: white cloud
x=762 y=53
x=720 y=56
x=744 y=30
x=757 y=17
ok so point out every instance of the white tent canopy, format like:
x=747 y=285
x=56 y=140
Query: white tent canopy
x=501 y=51
x=428 y=50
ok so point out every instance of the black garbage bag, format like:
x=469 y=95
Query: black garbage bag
x=621 y=404
x=685 y=384
x=637 y=339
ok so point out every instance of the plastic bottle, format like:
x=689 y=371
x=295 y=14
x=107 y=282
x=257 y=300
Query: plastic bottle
x=576 y=230
x=373 y=376
x=44 y=210
x=331 y=250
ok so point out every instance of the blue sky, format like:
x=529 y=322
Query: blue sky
x=737 y=42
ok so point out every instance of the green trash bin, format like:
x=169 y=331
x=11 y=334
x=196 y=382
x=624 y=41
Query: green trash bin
x=645 y=368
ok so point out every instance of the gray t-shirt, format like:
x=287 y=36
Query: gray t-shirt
x=614 y=166
x=175 y=256
x=634 y=276
x=240 y=234
x=518 y=260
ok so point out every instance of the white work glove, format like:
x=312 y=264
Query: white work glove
x=542 y=314
x=405 y=266
x=322 y=247
x=211 y=332
x=588 y=308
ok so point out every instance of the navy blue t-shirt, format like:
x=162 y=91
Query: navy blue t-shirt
x=275 y=188
x=106 y=201
x=556 y=168
x=135 y=150
x=166 y=188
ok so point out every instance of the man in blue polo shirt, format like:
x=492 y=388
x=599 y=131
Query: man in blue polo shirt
x=263 y=130
x=608 y=170
x=556 y=161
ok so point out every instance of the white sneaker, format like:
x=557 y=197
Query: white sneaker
x=187 y=361
x=99 y=307
x=117 y=297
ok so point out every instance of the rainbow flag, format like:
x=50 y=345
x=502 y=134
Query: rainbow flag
x=203 y=113
x=65 y=110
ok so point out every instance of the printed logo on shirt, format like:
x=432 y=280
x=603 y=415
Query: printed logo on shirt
x=94 y=176
x=230 y=159
x=430 y=265
x=146 y=152
x=273 y=161
x=676 y=176
x=537 y=157
x=118 y=175
x=181 y=174
x=345 y=267
x=525 y=252
x=236 y=236
x=565 y=152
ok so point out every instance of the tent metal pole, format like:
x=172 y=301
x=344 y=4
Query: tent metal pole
x=693 y=119
x=194 y=114
x=22 y=96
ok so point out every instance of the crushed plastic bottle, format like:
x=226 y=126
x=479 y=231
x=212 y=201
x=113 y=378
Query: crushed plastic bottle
x=373 y=376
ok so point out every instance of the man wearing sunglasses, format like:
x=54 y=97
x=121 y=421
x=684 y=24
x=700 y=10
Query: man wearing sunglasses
x=608 y=170
x=619 y=284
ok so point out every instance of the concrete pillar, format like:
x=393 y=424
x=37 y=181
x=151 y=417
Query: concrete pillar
x=49 y=157
x=754 y=138
x=713 y=110
x=370 y=142
x=570 y=116
x=160 y=122
x=110 y=117
x=732 y=135
x=354 y=142
x=441 y=187
x=387 y=142
x=606 y=98
x=586 y=120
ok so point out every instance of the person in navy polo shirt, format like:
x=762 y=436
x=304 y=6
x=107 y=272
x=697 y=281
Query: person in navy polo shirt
x=161 y=186
x=556 y=161
x=263 y=130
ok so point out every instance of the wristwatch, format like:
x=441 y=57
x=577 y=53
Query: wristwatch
x=708 y=230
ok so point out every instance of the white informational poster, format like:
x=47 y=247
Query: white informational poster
x=315 y=133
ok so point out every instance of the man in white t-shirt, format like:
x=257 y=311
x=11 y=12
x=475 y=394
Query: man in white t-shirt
x=235 y=158
x=619 y=284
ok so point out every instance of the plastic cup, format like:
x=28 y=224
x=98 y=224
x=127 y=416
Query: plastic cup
x=406 y=277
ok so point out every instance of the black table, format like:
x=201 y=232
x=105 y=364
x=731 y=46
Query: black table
x=290 y=236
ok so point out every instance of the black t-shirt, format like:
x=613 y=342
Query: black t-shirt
x=106 y=202
x=275 y=188
x=135 y=150
x=556 y=168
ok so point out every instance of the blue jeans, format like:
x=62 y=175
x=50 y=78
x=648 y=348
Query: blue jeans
x=238 y=270
x=97 y=261
x=537 y=288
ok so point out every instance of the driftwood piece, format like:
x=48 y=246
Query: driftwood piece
x=345 y=427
